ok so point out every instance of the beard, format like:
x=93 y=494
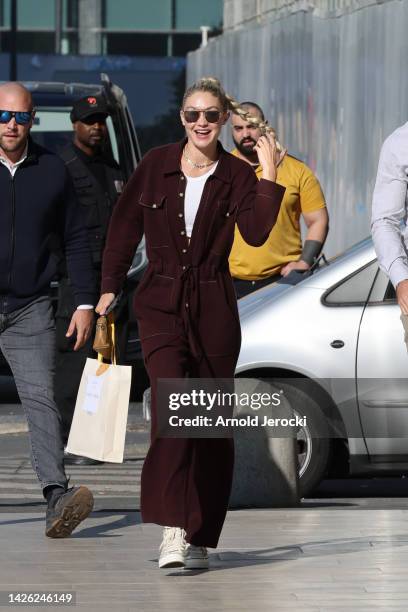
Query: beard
x=246 y=147
x=9 y=146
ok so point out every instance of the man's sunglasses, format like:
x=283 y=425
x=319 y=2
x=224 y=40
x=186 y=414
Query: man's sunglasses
x=21 y=117
x=212 y=116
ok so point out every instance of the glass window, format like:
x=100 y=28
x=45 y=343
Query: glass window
x=5 y=13
x=383 y=290
x=183 y=43
x=44 y=11
x=29 y=42
x=52 y=129
x=354 y=289
x=138 y=15
x=137 y=44
x=70 y=13
x=39 y=14
x=191 y=15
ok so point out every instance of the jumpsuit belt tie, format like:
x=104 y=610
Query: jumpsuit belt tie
x=189 y=281
x=188 y=293
x=186 y=297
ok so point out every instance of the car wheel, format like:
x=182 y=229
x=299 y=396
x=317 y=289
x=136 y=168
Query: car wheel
x=313 y=442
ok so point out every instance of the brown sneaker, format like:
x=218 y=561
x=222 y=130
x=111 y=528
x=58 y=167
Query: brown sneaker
x=70 y=509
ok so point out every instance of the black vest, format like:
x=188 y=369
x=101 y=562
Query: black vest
x=96 y=202
x=96 y=205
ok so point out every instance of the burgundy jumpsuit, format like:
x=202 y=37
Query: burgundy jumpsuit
x=187 y=315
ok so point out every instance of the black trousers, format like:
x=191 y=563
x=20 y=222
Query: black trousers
x=244 y=287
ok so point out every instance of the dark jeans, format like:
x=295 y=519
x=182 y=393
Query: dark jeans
x=244 y=287
x=27 y=340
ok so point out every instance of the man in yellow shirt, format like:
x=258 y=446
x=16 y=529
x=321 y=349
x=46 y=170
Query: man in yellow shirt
x=283 y=252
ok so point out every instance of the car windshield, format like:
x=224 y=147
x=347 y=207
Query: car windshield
x=52 y=129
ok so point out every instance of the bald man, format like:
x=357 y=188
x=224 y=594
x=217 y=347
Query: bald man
x=37 y=203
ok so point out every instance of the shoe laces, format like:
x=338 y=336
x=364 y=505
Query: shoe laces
x=173 y=537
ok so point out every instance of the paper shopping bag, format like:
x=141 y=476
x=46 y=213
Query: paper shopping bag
x=98 y=428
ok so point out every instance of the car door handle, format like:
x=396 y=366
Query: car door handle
x=337 y=344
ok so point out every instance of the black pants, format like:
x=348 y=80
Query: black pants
x=244 y=287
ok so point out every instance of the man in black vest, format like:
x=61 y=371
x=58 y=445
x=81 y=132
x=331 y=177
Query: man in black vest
x=97 y=181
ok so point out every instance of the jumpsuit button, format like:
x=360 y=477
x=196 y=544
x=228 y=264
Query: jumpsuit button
x=182 y=233
x=180 y=215
x=184 y=267
x=186 y=304
x=154 y=206
x=181 y=194
x=184 y=251
x=227 y=215
x=182 y=178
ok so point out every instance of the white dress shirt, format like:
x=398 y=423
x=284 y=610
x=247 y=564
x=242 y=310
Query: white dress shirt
x=389 y=212
x=13 y=169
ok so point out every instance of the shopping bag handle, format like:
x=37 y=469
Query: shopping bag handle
x=111 y=324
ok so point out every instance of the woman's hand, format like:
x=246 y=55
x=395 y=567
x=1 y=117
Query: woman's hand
x=268 y=156
x=105 y=301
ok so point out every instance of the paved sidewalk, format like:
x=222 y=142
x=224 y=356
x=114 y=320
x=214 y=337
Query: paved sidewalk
x=309 y=560
x=329 y=555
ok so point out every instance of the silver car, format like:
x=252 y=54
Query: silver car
x=337 y=342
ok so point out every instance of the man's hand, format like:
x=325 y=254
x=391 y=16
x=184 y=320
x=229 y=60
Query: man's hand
x=402 y=296
x=294 y=265
x=82 y=323
x=105 y=301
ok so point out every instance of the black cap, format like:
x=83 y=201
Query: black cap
x=91 y=105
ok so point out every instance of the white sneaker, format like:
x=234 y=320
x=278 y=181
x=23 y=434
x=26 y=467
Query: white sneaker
x=196 y=557
x=173 y=548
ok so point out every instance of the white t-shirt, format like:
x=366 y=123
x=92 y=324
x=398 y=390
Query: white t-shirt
x=194 y=191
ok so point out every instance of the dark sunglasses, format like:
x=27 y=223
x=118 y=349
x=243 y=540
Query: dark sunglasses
x=212 y=116
x=21 y=117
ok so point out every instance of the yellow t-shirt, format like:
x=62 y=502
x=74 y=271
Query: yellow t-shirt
x=284 y=244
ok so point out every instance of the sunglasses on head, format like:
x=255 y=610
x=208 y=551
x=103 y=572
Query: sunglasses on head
x=212 y=116
x=21 y=117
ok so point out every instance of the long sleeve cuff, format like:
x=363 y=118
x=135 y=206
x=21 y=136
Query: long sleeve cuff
x=85 y=298
x=110 y=285
x=270 y=189
x=398 y=271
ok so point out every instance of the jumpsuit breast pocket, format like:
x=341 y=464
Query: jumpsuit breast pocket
x=155 y=219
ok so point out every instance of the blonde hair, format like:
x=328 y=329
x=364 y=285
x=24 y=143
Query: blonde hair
x=213 y=86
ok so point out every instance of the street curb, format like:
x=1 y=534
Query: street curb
x=13 y=429
x=13 y=424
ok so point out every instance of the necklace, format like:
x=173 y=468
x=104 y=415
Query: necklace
x=192 y=163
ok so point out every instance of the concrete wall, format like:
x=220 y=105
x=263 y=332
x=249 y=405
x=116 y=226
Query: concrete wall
x=333 y=86
x=241 y=13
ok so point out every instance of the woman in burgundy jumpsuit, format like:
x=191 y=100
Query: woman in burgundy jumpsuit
x=186 y=305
